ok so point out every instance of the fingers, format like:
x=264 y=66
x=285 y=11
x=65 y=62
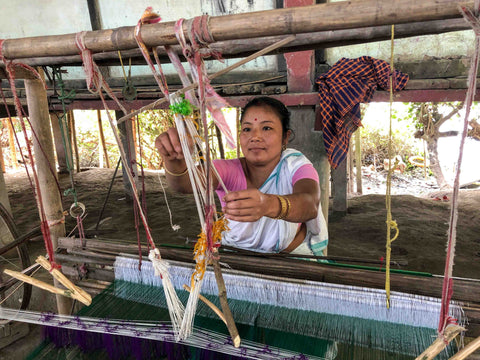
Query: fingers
x=245 y=205
x=168 y=145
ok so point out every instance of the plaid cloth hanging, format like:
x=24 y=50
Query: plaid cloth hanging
x=341 y=90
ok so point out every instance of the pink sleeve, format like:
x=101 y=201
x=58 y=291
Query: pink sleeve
x=306 y=171
x=232 y=175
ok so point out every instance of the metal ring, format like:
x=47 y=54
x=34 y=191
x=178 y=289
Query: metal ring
x=77 y=210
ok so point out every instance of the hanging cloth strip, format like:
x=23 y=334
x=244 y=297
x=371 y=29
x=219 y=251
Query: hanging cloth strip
x=149 y=17
x=194 y=55
x=473 y=19
x=341 y=90
x=96 y=83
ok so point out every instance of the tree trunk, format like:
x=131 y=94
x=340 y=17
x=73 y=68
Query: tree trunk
x=432 y=146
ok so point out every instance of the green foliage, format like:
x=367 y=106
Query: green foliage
x=375 y=139
x=183 y=107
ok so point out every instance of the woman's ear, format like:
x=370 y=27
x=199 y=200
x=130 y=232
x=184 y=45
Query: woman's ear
x=287 y=137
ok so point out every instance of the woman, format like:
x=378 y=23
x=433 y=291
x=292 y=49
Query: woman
x=273 y=199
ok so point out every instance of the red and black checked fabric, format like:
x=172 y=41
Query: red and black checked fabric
x=341 y=90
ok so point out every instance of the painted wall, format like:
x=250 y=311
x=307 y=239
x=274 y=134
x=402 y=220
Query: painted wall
x=24 y=18
x=459 y=43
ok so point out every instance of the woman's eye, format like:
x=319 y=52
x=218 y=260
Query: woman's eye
x=267 y=128
x=246 y=129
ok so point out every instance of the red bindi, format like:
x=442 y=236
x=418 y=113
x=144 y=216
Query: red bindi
x=255 y=119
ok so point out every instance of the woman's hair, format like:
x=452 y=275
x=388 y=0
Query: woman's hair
x=273 y=104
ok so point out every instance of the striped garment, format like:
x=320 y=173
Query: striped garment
x=341 y=90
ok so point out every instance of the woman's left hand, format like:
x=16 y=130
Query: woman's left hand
x=248 y=205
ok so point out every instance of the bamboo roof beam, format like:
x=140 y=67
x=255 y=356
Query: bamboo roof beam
x=285 y=21
x=305 y=41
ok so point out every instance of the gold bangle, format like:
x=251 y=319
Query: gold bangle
x=284 y=207
x=175 y=174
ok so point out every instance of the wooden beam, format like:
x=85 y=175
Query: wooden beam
x=321 y=17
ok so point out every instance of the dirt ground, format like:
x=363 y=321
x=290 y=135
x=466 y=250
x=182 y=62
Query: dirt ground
x=423 y=221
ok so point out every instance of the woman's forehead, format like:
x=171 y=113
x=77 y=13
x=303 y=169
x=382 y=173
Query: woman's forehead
x=260 y=113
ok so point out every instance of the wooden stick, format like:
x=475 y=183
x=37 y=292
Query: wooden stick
x=262 y=52
x=467 y=350
x=441 y=342
x=211 y=305
x=222 y=295
x=76 y=292
x=38 y=283
x=102 y=138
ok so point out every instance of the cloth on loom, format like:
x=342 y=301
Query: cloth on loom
x=270 y=235
x=341 y=90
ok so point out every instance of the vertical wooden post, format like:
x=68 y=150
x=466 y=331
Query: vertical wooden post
x=73 y=132
x=350 y=168
x=2 y=160
x=44 y=156
x=220 y=142
x=125 y=131
x=358 y=160
x=339 y=177
x=102 y=138
x=59 y=145
x=3 y=188
x=11 y=141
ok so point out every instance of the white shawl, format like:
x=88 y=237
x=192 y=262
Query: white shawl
x=270 y=235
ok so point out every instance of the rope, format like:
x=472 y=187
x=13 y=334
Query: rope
x=447 y=290
x=391 y=224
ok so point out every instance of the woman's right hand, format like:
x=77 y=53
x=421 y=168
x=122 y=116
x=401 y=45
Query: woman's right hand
x=169 y=146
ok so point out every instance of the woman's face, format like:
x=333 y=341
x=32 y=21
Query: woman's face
x=261 y=136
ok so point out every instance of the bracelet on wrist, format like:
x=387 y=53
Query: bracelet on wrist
x=175 y=174
x=284 y=207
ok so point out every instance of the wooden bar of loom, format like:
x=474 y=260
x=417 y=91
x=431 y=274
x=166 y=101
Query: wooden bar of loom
x=71 y=291
x=104 y=251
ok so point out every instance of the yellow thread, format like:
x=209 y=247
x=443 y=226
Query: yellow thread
x=200 y=249
x=391 y=224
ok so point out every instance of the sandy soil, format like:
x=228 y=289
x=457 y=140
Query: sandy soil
x=423 y=220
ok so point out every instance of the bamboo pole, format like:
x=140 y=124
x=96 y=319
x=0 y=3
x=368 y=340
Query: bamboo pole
x=334 y=16
x=467 y=350
x=59 y=144
x=102 y=138
x=243 y=47
x=44 y=156
x=441 y=342
x=73 y=133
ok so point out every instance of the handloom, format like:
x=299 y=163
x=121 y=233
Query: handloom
x=320 y=315
x=117 y=288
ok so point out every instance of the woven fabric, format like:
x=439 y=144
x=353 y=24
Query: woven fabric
x=341 y=90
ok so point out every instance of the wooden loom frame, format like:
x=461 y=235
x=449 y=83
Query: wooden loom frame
x=296 y=20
